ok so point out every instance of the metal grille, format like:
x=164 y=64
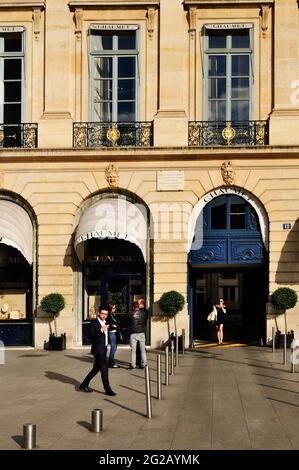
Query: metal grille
x=18 y=135
x=116 y=134
x=210 y=133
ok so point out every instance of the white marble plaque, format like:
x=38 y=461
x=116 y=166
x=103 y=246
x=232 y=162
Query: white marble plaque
x=170 y=180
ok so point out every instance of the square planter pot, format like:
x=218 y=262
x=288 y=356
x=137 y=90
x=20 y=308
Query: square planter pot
x=56 y=343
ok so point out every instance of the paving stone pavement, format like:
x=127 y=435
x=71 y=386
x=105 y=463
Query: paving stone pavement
x=219 y=398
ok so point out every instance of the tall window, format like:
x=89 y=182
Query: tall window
x=228 y=77
x=11 y=77
x=114 y=75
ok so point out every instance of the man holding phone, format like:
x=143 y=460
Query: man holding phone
x=98 y=333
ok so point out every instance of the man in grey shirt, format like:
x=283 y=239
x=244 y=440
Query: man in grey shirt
x=137 y=323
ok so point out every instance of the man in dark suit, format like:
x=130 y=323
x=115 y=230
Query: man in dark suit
x=98 y=333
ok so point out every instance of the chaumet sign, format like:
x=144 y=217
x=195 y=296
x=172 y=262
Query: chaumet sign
x=115 y=259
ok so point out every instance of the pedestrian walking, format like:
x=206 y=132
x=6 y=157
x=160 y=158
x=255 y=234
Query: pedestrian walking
x=98 y=333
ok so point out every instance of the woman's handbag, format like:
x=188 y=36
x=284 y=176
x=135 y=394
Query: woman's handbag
x=212 y=317
x=119 y=335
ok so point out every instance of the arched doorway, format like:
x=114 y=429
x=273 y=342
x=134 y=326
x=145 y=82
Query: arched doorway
x=112 y=244
x=228 y=259
x=17 y=269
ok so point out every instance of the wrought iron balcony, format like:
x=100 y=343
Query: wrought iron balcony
x=113 y=134
x=211 y=133
x=18 y=135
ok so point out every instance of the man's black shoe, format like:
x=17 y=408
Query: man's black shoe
x=111 y=393
x=85 y=389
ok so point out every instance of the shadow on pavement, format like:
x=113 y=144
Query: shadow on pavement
x=80 y=358
x=284 y=402
x=277 y=378
x=255 y=366
x=85 y=425
x=19 y=440
x=278 y=388
x=61 y=378
x=132 y=389
x=34 y=355
x=259 y=360
x=125 y=407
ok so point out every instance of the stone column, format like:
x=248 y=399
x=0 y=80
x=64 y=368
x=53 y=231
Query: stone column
x=284 y=120
x=171 y=121
x=55 y=126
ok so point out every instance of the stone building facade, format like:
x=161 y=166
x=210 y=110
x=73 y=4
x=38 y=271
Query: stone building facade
x=178 y=117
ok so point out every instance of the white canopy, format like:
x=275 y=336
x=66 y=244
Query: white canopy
x=16 y=228
x=113 y=218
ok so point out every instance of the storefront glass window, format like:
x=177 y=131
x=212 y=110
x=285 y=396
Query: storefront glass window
x=15 y=285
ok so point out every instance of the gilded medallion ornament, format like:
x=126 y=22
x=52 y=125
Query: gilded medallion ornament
x=112 y=176
x=228 y=173
x=113 y=134
x=228 y=133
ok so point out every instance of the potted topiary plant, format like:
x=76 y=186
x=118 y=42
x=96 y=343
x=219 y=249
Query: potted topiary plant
x=283 y=299
x=171 y=303
x=53 y=304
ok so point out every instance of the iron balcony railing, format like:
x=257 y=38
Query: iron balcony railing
x=210 y=133
x=113 y=134
x=18 y=135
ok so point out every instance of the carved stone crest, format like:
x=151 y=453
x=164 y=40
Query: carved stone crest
x=112 y=176
x=228 y=173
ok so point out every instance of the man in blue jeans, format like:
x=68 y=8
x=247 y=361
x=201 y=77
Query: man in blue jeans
x=137 y=324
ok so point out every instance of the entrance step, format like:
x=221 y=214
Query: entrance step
x=198 y=344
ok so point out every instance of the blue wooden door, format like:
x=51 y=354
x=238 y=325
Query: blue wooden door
x=231 y=234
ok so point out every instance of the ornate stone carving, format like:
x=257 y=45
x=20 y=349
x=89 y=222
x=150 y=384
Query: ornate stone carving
x=265 y=9
x=192 y=22
x=36 y=16
x=228 y=173
x=151 y=12
x=112 y=175
x=78 y=18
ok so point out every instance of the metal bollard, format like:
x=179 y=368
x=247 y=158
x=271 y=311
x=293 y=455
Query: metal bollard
x=148 y=392
x=97 y=420
x=172 y=359
x=293 y=356
x=29 y=436
x=273 y=339
x=183 y=341
x=167 y=366
x=177 y=351
x=159 y=381
x=285 y=349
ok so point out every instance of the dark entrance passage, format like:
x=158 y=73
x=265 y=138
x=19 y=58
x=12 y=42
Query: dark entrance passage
x=228 y=261
x=113 y=271
x=243 y=291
